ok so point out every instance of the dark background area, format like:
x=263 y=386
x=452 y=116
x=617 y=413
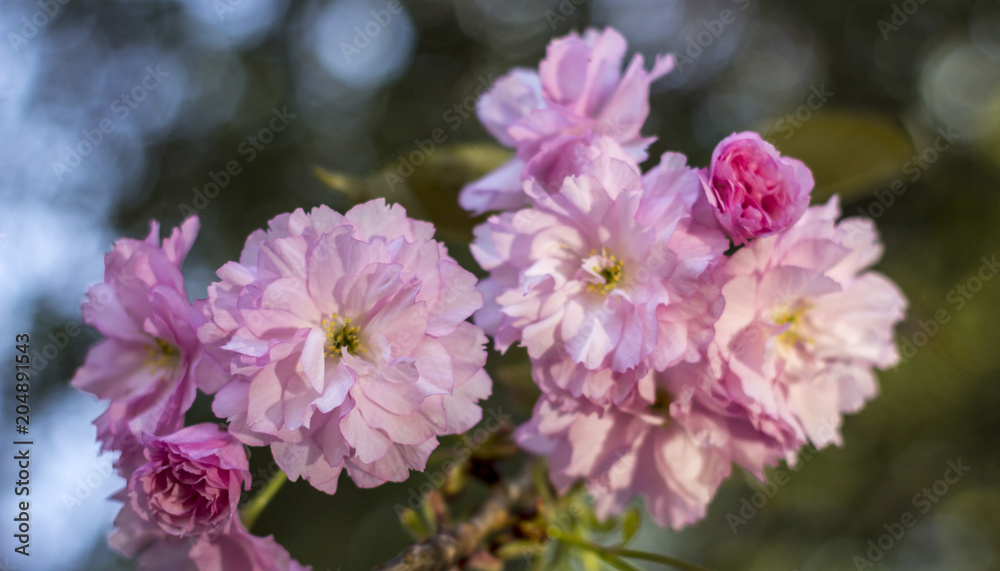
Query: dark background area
x=862 y=91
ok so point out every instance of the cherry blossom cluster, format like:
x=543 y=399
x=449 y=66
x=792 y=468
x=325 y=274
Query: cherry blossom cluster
x=183 y=483
x=678 y=321
x=340 y=341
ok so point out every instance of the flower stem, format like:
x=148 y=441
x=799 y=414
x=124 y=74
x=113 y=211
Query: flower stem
x=250 y=512
x=657 y=558
x=618 y=562
x=609 y=553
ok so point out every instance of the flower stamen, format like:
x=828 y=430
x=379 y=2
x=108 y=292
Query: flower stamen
x=162 y=354
x=341 y=336
x=794 y=317
x=606 y=267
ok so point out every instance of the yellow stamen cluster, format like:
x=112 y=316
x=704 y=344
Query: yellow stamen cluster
x=612 y=274
x=341 y=336
x=794 y=318
x=162 y=354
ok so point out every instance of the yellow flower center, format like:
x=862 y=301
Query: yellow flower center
x=794 y=317
x=162 y=355
x=341 y=336
x=607 y=267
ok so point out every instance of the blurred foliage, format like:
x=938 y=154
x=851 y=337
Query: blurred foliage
x=426 y=184
x=848 y=153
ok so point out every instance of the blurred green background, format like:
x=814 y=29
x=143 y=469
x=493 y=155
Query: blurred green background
x=868 y=93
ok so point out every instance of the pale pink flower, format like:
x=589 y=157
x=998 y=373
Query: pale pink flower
x=755 y=191
x=579 y=88
x=148 y=362
x=804 y=325
x=666 y=442
x=604 y=273
x=347 y=339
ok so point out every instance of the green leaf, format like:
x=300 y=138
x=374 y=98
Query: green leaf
x=253 y=509
x=631 y=521
x=416 y=525
x=848 y=153
x=591 y=561
x=521 y=548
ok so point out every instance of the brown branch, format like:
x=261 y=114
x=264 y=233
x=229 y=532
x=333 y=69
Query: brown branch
x=445 y=549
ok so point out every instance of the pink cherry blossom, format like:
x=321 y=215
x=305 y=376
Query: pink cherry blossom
x=666 y=442
x=148 y=362
x=180 y=507
x=755 y=191
x=579 y=88
x=805 y=323
x=347 y=341
x=191 y=481
x=604 y=273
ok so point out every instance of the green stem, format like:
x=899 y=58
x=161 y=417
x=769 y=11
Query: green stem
x=606 y=552
x=618 y=563
x=657 y=558
x=252 y=510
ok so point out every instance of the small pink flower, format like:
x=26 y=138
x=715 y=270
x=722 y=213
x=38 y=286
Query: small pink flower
x=148 y=362
x=191 y=481
x=579 y=89
x=755 y=191
x=180 y=507
x=347 y=341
